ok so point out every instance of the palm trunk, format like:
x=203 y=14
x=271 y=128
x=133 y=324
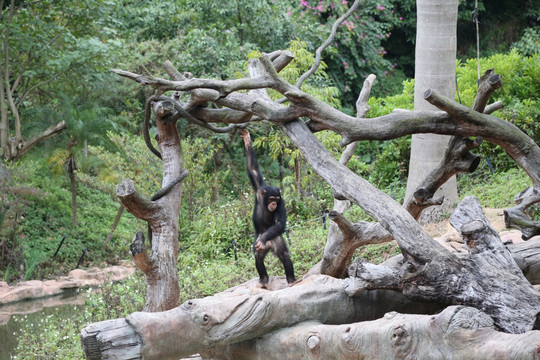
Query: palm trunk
x=435 y=68
x=4 y=124
x=71 y=169
x=115 y=224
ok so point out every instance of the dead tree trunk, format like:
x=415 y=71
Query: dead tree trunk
x=161 y=213
x=432 y=272
x=457 y=158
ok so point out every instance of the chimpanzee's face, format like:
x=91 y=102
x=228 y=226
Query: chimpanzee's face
x=271 y=198
x=272 y=203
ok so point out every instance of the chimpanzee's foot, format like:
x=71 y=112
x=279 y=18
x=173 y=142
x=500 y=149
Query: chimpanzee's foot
x=261 y=285
x=292 y=282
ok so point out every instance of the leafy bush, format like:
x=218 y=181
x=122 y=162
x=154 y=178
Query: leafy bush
x=520 y=95
x=215 y=229
x=529 y=44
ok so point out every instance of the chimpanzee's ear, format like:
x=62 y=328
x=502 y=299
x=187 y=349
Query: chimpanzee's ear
x=263 y=192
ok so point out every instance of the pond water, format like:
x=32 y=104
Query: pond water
x=15 y=316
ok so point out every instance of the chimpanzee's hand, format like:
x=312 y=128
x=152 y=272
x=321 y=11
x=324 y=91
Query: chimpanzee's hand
x=259 y=246
x=244 y=134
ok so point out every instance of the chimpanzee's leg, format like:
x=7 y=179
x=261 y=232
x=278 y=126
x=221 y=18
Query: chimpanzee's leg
x=259 y=264
x=280 y=249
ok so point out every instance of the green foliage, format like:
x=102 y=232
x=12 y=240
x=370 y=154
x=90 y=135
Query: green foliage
x=306 y=243
x=308 y=207
x=202 y=185
x=130 y=159
x=32 y=260
x=358 y=49
x=529 y=44
x=54 y=46
x=200 y=277
x=520 y=95
x=114 y=300
x=385 y=163
x=10 y=246
x=51 y=338
x=215 y=231
x=378 y=253
x=46 y=218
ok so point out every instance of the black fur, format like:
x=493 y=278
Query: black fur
x=269 y=226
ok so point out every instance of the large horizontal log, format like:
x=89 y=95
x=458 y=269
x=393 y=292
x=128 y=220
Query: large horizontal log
x=459 y=333
x=238 y=314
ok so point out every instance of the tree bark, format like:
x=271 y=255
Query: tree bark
x=460 y=333
x=527 y=257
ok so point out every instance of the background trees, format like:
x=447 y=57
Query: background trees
x=48 y=48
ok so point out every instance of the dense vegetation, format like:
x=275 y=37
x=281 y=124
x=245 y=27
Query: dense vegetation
x=68 y=79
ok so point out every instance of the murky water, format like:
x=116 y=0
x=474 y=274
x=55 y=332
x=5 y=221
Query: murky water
x=14 y=316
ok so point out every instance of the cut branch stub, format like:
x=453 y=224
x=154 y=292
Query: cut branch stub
x=472 y=233
x=516 y=218
x=520 y=217
x=134 y=203
x=139 y=253
x=101 y=341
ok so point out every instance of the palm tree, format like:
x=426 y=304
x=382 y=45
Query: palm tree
x=87 y=123
x=435 y=68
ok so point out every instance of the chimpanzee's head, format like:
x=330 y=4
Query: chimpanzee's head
x=271 y=197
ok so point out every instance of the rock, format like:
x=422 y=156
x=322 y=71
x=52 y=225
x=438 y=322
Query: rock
x=4 y=287
x=77 y=278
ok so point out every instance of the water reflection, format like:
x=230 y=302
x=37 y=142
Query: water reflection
x=16 y=315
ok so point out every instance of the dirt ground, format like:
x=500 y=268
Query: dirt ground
x=449 y=237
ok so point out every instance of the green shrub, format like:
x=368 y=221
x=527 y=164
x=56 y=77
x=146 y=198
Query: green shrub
x=520 y=94
x=214 y=229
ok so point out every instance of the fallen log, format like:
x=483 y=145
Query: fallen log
x=458 y=332
x=239 y=314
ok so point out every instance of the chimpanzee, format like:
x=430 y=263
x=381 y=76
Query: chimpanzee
x=269 y=219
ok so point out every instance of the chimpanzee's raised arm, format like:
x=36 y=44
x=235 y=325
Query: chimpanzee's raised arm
x=253 y=167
